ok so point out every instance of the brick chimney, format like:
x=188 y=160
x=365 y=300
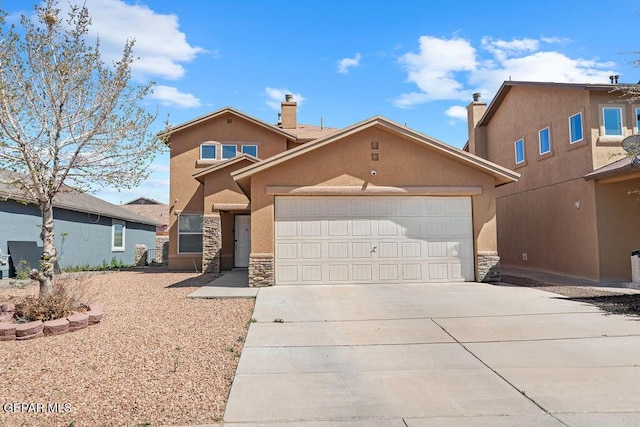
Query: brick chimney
x=289 y=107
x=475 y=111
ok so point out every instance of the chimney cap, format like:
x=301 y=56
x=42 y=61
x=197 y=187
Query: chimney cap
x=288 y=98
x=477 y=97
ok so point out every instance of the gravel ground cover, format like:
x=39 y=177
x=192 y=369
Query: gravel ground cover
x=157 y=357
x=609 y=301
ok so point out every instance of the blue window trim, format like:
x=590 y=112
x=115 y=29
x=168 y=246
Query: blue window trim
x=576 y=134
x=548 y=140
x=519 y=151
x=618 y=131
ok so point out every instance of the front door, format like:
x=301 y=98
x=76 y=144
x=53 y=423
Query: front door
x=242 y=240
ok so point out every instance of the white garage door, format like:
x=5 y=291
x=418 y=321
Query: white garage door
x=373 y=239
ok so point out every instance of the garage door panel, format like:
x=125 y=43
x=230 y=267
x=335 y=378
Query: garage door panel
x=372 y=239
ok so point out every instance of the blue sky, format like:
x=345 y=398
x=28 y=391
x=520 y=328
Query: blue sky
x=415 y=62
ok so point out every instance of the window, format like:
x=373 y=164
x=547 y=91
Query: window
x=637 y=120
x=208 y=151
x=612 y=119
x=545 y=141
x=519 y=144
x=117 y=235
x=575 y=128
x=189 y=234
x=250 y=149
x=229 y=151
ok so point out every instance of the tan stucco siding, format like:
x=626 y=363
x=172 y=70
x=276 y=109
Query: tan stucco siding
x=554 y=226
x=186 y=194
x=220 y=188
x=347 y=162
x=608 y=149
x=618 y=216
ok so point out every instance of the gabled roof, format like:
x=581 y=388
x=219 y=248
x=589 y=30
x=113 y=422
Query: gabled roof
x=223 y=164
x=507 y=85
x=74 y=200
x=142 y=201
x=501 y=174
x=218 y=113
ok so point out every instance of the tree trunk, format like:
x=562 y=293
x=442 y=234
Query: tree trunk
x=48 y=257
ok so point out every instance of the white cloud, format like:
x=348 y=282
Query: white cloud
x=433 y=69
x=457 y=112
x=171 y=96
x=345 y=63
x=452 y=69
x=275 y=97
x=160 y=45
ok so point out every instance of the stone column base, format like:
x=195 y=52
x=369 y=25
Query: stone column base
x=211 y=243
x=488 y=267
x=261 y=268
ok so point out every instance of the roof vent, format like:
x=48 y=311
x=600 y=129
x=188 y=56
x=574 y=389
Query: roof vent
x=614 y=78
x=288 y=98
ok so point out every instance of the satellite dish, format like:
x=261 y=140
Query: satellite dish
x=631 y=144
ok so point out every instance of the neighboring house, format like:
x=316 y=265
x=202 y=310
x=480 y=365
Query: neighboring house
x=571 y=212
x=152 y=209
x=94 y=230
x=297 y=204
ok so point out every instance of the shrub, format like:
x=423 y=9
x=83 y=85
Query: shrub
x=68 y=295
x=22 y=270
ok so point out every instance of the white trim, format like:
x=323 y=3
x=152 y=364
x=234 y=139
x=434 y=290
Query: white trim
x=249 y=145
x=370 y=190
x=209 y=144
x=581 y=128
x=115 y=222
x=222 y=146
x=515 y=148
x=540 y=140
x=603 y=127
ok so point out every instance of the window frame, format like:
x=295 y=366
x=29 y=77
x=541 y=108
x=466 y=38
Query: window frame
x=636 y=111
x=515 y=146
x=235 y=147
x=190 y=233
x=548 y=129
x=114 y=223
x=249 y=145
x=620 y=121
x=571 y=140
x=209 y=144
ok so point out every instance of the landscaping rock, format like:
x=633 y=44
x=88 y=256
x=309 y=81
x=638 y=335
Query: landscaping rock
x=7 y=331
x=78 y=321
x=27 y=329
x=56 y=327
x=30 y=337
x=7 y=307
x=6 y=317
x=94 y=316
x=94 y=306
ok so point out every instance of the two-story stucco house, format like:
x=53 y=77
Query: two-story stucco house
x=571 y=211
x=301 y=204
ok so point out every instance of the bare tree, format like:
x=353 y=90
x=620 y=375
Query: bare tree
x=67 y=120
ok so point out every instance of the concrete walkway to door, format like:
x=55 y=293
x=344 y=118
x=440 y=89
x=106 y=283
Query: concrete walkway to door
x=430 y=355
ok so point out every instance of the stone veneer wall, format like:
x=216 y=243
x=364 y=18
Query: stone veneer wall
x=162 y=250
x=261 y=270
x=211 y=243
x=488 y=267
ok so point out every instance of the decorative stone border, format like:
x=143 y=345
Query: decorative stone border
x=27 y=331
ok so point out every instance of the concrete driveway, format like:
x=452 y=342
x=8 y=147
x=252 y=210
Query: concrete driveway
x=464 y=354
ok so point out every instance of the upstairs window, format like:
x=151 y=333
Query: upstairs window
x=612 y=120
x=519 y=148
x=208 y=151
x=575 y=128
x=637 y=120
x=229 y=151
x=252 y=150
x=545 y=140
x=189 y=234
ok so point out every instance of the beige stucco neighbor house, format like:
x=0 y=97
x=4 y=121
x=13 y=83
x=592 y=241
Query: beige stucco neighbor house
x=299 y=204
x=571 y=212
